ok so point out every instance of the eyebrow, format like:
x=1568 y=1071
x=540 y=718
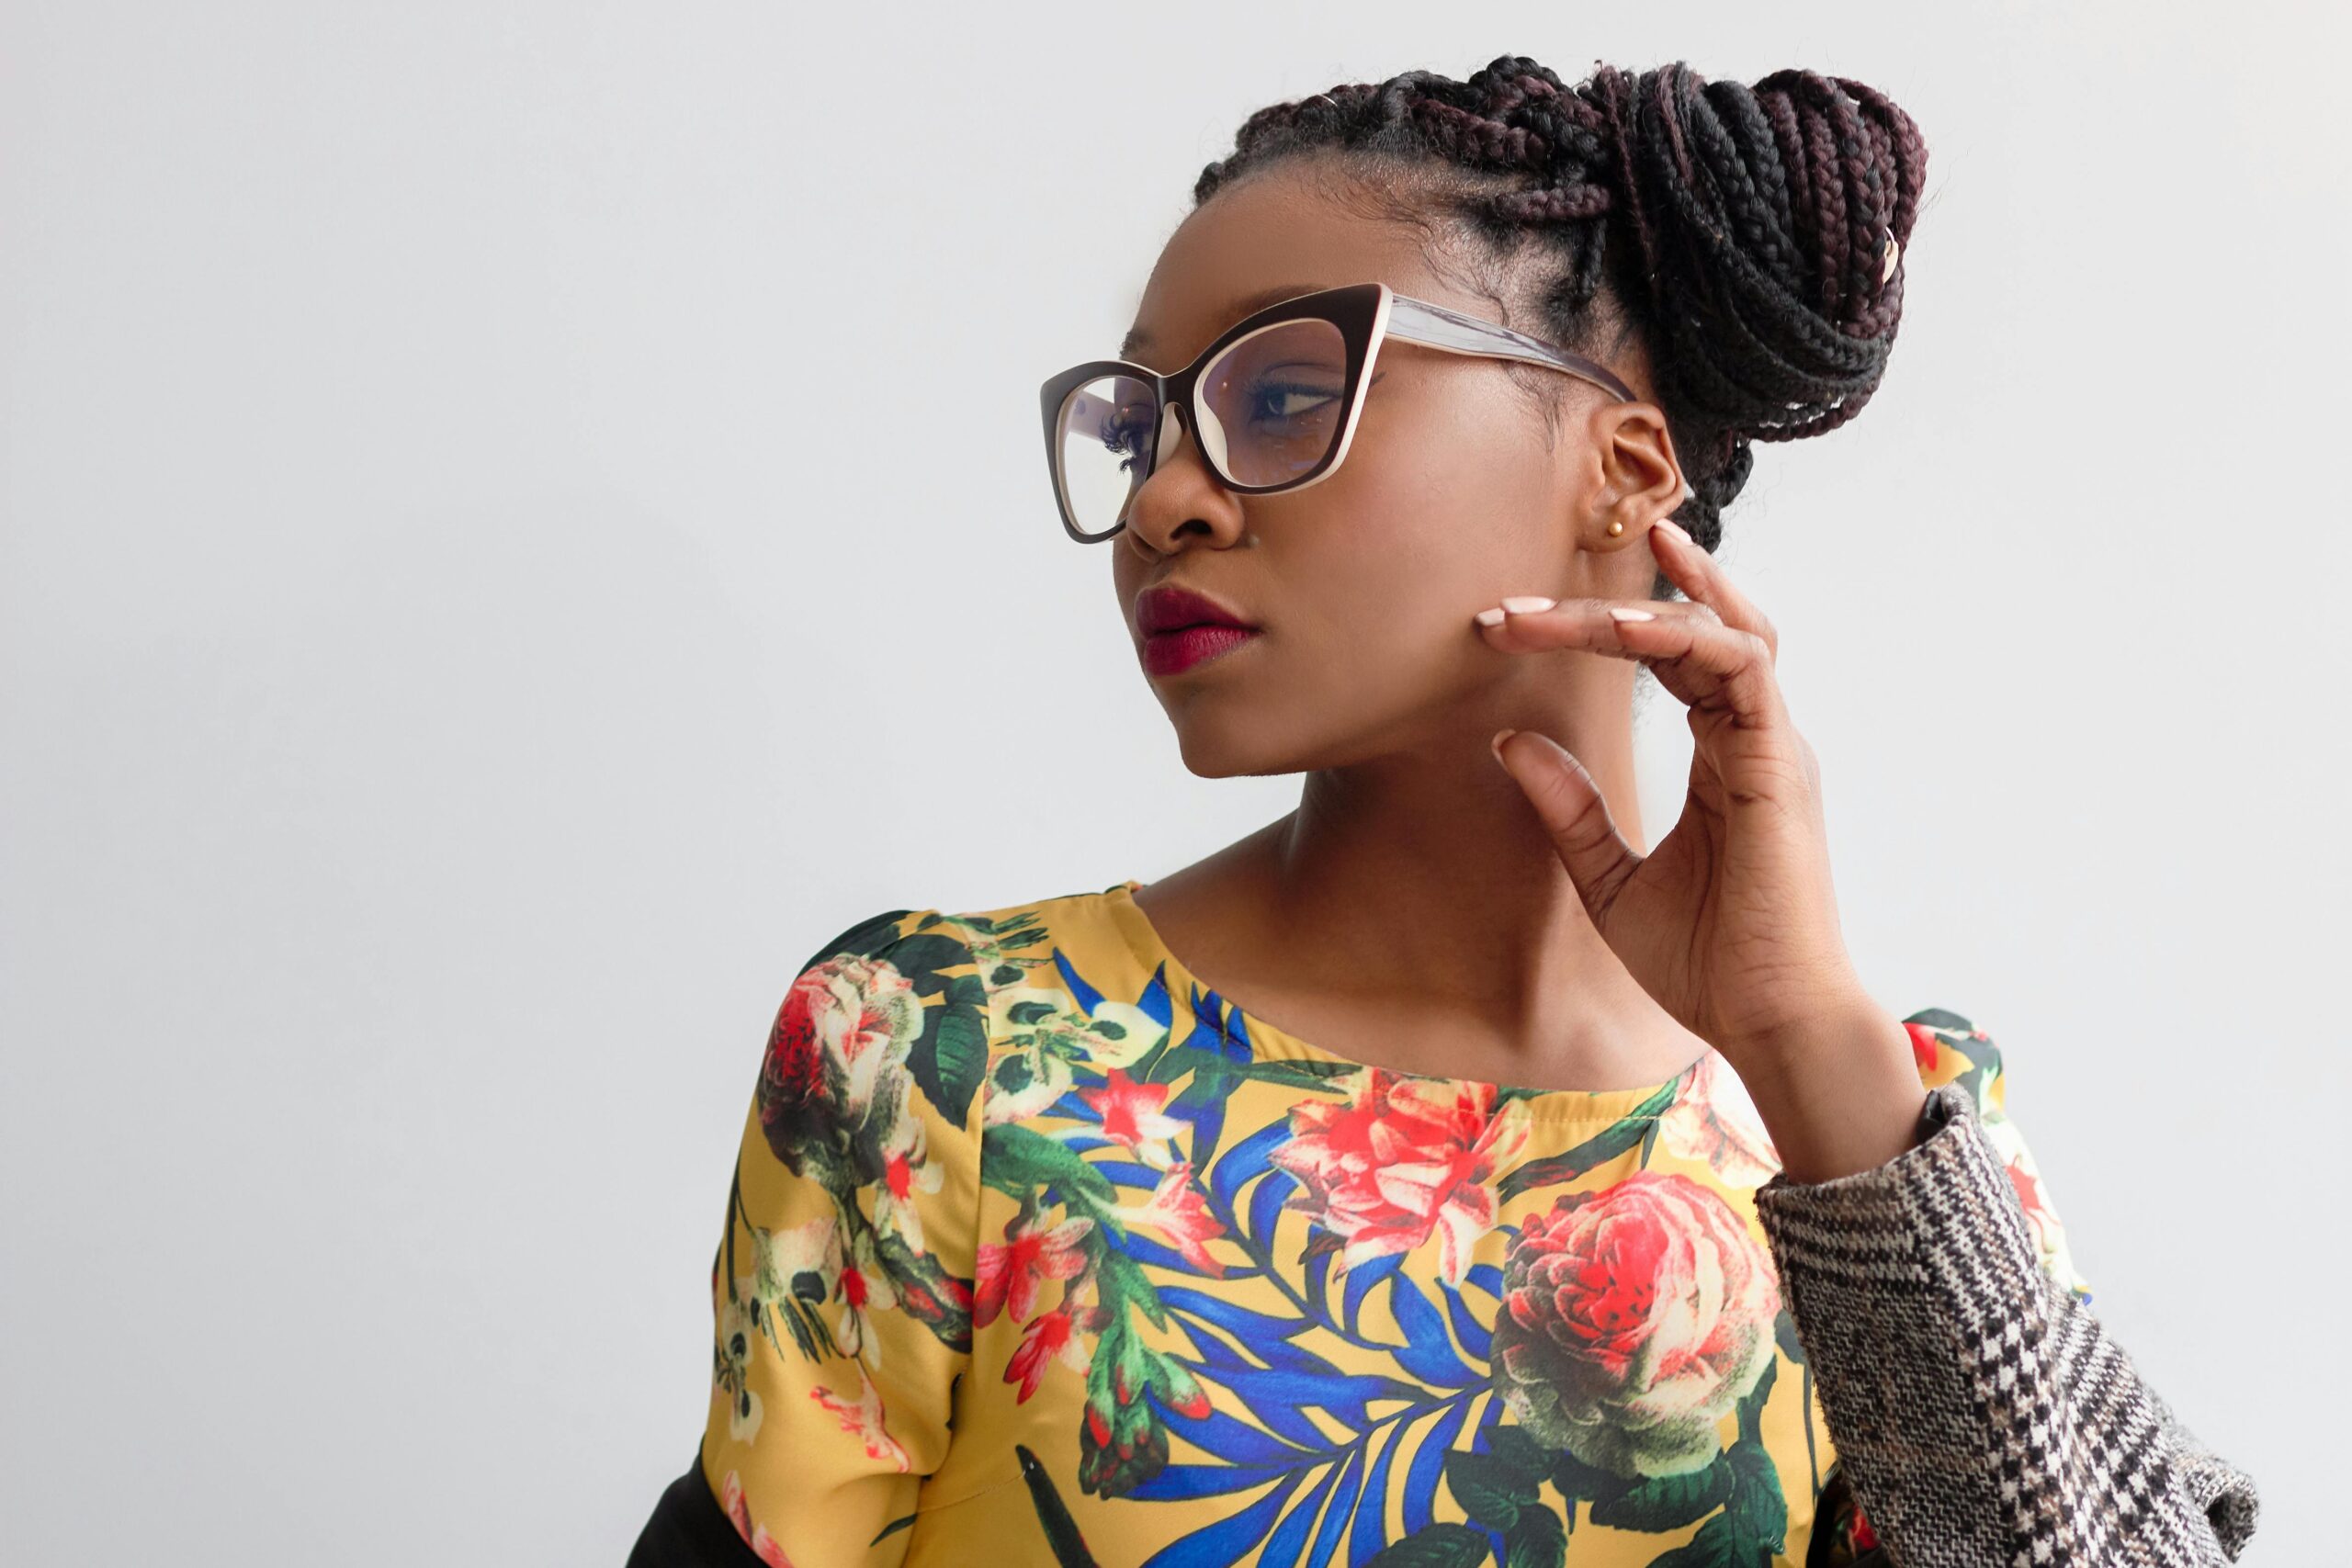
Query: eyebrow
x=1139 y=338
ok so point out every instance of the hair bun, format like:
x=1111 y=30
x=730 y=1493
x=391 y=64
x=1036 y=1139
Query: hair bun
x=1772 y=221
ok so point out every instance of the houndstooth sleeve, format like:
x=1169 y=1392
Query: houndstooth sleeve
x=1980 y=1412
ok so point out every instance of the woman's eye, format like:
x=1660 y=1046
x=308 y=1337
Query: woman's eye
x=1291 y=402
x=1124 y=435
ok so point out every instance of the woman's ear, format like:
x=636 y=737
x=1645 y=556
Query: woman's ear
x=1641 y=477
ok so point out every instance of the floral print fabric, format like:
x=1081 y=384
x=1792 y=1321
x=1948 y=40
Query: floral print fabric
x=1039 y=1251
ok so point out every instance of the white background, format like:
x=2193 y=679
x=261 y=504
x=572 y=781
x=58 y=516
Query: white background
x=520 y=521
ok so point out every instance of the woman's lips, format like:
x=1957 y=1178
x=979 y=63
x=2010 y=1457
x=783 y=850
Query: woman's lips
x=1165 y=653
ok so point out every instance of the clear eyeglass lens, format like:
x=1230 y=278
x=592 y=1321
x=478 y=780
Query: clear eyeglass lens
x=1270 y=407
x=1270 y=404
x=1103 y=439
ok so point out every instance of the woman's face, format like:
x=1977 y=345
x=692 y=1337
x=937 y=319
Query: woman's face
x=1365 y=583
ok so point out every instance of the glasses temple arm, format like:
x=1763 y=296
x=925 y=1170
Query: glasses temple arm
x=1417 y=320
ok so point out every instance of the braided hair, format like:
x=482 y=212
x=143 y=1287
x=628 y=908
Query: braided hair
x=1750 y=236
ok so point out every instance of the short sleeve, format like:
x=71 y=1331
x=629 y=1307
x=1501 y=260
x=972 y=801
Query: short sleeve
x=841 y=1291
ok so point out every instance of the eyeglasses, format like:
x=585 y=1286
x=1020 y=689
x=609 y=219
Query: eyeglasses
x=1272 y=403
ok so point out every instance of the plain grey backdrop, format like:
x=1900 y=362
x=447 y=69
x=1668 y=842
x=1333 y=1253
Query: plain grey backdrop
x=520 y=521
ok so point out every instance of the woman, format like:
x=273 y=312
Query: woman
x=1044 y=1249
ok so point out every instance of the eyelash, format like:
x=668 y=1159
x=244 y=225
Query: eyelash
x=1110 y=426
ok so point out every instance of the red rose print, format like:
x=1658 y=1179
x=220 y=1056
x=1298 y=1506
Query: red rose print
x=1401 y=1160
x=1634 y=1318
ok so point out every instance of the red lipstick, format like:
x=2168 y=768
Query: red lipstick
x=1181 y=629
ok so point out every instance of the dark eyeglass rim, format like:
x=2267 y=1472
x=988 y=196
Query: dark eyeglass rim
x=1365 y=314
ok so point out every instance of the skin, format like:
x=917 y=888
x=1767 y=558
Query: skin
x=1433 y=904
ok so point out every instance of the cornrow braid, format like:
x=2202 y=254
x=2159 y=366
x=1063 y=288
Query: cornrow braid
x=1752 y=235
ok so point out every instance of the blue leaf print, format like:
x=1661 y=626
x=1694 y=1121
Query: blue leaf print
x=1219 y=1363
x=1344 y=1394
x=1069 y=1108
x=1266 y=1204
x=1222 y=1544
x=1085 y=996
x=1361 y=1278
x=1343 y=1503
x=1234 y=1441
x=1264 y=1337
x=1180 y=1480
x=1156 y=1003
x=1252 y=1329
x=1372 y=1529
x=1252 y=1156
x=1208 y=1125
x=1427 y=1352
x=1130 y=1173
x=1478 y=1340
x=1290 y=1537
x=1420 y=1476
x=1319 y=1300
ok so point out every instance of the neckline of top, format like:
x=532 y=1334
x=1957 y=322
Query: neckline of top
x=1269 y=1042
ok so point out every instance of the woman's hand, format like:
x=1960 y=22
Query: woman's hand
x=1729 y=923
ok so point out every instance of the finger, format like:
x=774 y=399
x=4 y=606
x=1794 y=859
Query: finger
x=1504 y=622
x=1574 y=814
x=1706 y=663
x=1702 y=577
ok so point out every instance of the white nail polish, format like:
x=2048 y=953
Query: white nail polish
x=1490 y=617
x=1620 y=612
x=1527 y=603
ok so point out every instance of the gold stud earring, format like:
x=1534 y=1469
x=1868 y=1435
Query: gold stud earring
x=1617 y=528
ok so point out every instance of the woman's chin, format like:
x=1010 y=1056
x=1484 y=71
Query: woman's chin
x=1217 y=750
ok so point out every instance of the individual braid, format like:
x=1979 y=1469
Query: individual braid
x=1745 y=232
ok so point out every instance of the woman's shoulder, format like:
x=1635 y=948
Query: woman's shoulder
x=996 y=947
x=1003 y=940
x=950 y=992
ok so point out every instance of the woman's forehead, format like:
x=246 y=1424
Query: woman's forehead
x=1142 y=342
x=1198 y=290
x=1254 y=246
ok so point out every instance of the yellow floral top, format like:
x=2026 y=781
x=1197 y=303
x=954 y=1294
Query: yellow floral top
x=1039 y=1251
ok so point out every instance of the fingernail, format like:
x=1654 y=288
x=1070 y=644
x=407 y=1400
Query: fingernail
x=1676 y=529
x=1490 y=617
x=1496 y=744
x=1527 y=603
x=1622 y=613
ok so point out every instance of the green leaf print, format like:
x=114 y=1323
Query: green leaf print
x=1490 y=1489
x=1752 y=1405
x=1512 y=1447
x=1784 y=1335
x=1018 y=1160
x=1668 y=1502
x=1760 y=1514
x=1607 y=1144
x=1718 y=1545
x=1576 y=1480
x=1538 y=1540
x=1292 y=1072
x=998 y=946
x=949 y=1058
